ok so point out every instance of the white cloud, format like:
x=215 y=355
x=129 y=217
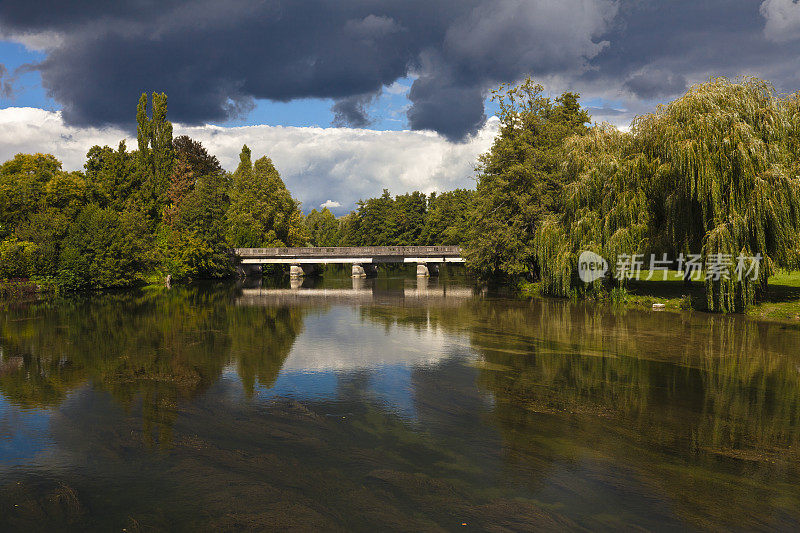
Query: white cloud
x=40 y=41
x=316 y=163
x=782 y=20
x=31 y=130
x=397 y=88
x=330 y=204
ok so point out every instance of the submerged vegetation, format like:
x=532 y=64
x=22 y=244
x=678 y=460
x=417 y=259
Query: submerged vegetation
x=712 y=174
x=557 y=402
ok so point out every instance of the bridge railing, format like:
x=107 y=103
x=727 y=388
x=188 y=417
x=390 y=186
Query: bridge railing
x=352 y=251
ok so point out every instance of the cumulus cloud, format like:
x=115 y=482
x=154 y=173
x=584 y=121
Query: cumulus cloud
x=317 y=164
x=31 y=130
x=213 y=59
x=782 y=20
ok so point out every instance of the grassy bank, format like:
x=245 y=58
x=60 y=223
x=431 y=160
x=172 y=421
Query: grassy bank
x=781 y=302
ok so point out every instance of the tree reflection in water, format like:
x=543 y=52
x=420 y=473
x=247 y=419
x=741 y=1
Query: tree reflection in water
x=528 y=415
x=149 y=351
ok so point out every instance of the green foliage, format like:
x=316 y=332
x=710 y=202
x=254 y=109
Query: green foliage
x=47 y=229
x=322 y=228
x=102 y=249
x=113 y=173
x=408 y=218
x=412 y=219
x=262 y=211
x=16 y=258
x=350 y=230
x=448 y=218
x=22 y=187
x=131 y=216
x=195 y=156
x=521 y=179
x=155 y=157
x=193 y=244
x=375 y=216
x=714 y=172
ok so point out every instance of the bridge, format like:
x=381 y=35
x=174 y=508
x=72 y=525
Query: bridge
x=365 y=259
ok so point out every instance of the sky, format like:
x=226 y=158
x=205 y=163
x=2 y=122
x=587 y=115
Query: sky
x=349 y=97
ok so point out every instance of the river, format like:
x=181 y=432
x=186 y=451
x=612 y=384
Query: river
x=391 y=404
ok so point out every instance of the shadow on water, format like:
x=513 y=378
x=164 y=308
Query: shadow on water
x=392 y=402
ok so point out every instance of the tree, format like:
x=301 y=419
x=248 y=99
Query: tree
x=155 y=156
x=374 y=216
x=322 y=228
x=191 y=239
x=407 y=219
x=104 y=249
x=195 y=156
x=262 y=212
x=194 y=244
x=350 y=230
x=22 y=187
x=712 y=173
x=521 y=179
x=448 y=219
x=46 y=229
x=113 y=174
x=16 y=258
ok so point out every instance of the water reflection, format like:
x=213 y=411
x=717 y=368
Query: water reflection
x=402 y=291
x=413 y=402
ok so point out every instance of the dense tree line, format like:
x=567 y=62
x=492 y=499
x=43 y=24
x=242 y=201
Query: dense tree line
x=713 y=173
x=169 y=209
x=413 y=219
x=166 y=208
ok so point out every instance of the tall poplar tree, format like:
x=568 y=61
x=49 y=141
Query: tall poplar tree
x=155 y=157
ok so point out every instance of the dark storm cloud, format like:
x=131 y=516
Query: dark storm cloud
x=652 y=84
x=215 y=58
x=352 y=111
x=657 y=48
x=6 y=88
x=442 y=105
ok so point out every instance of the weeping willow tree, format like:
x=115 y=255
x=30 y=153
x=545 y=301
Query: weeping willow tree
x=714 y=172
x=607 y=208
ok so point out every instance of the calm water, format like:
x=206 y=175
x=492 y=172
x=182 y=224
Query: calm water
x=388 y=405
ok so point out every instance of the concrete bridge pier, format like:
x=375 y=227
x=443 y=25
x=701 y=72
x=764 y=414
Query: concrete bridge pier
x=248 y=271
x=298 y=270
x=363 y=270
x=427 y=269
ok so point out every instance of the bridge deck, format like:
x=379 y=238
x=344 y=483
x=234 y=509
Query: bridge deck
x=351 y=254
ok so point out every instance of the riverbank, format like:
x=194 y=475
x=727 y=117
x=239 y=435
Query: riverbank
x=21 y=290
x=781 y=303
